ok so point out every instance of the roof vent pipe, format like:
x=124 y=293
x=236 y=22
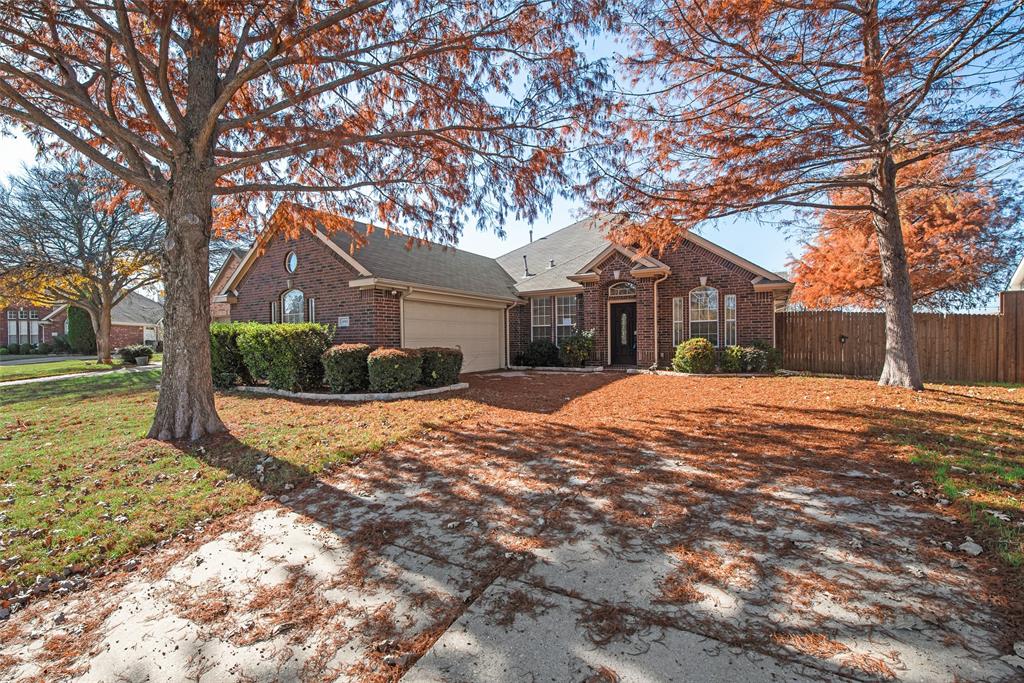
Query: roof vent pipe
x=531 y=236
x=551 y=264
x=526 y=267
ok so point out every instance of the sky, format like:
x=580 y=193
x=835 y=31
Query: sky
x=762 y=244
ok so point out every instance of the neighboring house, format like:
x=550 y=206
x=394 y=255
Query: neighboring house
x=220 y=311
x=1017 y=281
x=21 y=324
x=378 y=291
x=135 y=320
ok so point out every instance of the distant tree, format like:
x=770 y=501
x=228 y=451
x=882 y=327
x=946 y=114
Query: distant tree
x=962 y=235
x=81 y=336
x=742 y=105
x=71 y=235
x=421 y=114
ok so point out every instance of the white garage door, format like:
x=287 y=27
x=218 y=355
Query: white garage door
x=479 y=332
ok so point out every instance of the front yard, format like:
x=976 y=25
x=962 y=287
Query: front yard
x=9 y=373
x=81 y=485
x=650 y=527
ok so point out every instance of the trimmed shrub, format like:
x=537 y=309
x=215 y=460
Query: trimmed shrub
x=226 y=363
x=287 y=355
x=81 y=337
x=694 y=355
x=345 y=367
x=44 y=348
x=3 y=351
x=25 y=349
x=732 y=359
x=13 y=348
x=394 y=369
x=772 y=356
x=129 y=353
x=576 y=348
x=441 y=366
x=60 y=344
x=541 y=353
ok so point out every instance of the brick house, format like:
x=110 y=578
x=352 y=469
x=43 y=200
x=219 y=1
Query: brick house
x=378 y=290
x=220 y=311
x=135 y=320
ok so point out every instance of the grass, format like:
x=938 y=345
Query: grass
x=979 y=466
x=81 y=485
x=61 y=367
x=9 y=373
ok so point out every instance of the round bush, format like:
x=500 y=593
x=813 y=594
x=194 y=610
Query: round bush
x=286 y=354
x=226 y=363
x=694 y=355
x=25 y=349
x=577 y=347
x=3 y=351
x=541 y=353
x=345 y=368
x=393 y=370
x=731 y=359
x=441 y=366
x=129 y=353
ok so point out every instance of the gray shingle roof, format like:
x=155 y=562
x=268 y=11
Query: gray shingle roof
x=570 y=248
x=136 y=309
x=429 y=264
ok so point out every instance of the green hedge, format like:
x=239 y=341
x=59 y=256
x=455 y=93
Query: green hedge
x=345 y=368
x=287 y=355
x=129 y=353
x=394 y=369
x=226 y=362
x=694 y=355
x=441 y=366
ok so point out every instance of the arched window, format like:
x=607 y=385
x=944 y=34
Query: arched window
x=704 y=314
x=293 y=305
x=622 y=290
x=291 y=262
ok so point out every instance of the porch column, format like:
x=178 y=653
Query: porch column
x=594 y=319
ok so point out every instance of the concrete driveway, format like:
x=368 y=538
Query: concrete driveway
x=586 y=528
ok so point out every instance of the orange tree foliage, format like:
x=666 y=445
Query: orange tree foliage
x=962 y=235
x=418 y=115
x=740 y=106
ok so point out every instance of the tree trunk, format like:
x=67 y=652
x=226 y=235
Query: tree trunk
x=101 y=327
x=185 y=409
x=901 y=367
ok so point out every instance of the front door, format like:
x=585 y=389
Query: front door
x=623 y=328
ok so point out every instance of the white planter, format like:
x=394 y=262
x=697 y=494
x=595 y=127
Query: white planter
x=142 y=360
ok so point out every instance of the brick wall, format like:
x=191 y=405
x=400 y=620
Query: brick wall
x=520 y=323
x=755 y=312
x=322 y=275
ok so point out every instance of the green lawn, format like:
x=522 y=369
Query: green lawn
x=80 y=484
x=60 y=367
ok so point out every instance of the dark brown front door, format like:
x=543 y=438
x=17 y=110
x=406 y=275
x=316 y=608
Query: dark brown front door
x=623 y=334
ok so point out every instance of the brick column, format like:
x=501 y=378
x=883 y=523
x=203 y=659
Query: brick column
x=594 y=319
x=644 y=322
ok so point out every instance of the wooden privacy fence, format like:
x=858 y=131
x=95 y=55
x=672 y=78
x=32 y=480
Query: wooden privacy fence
x=951 y=347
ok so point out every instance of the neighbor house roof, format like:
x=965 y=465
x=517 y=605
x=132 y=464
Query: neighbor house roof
x=134 y=309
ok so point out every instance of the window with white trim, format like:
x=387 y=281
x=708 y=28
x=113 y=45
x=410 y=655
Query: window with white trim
x=566 y=316
x=678 y=320
x=23 y=314
x=33 y=332
x=33 y=315
x=704 y=314
x=273 y=311
x=12 y=314
x=729 y=304
x=540 y=318
x=293 y=303
x=311 y=305
x=12 y=331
